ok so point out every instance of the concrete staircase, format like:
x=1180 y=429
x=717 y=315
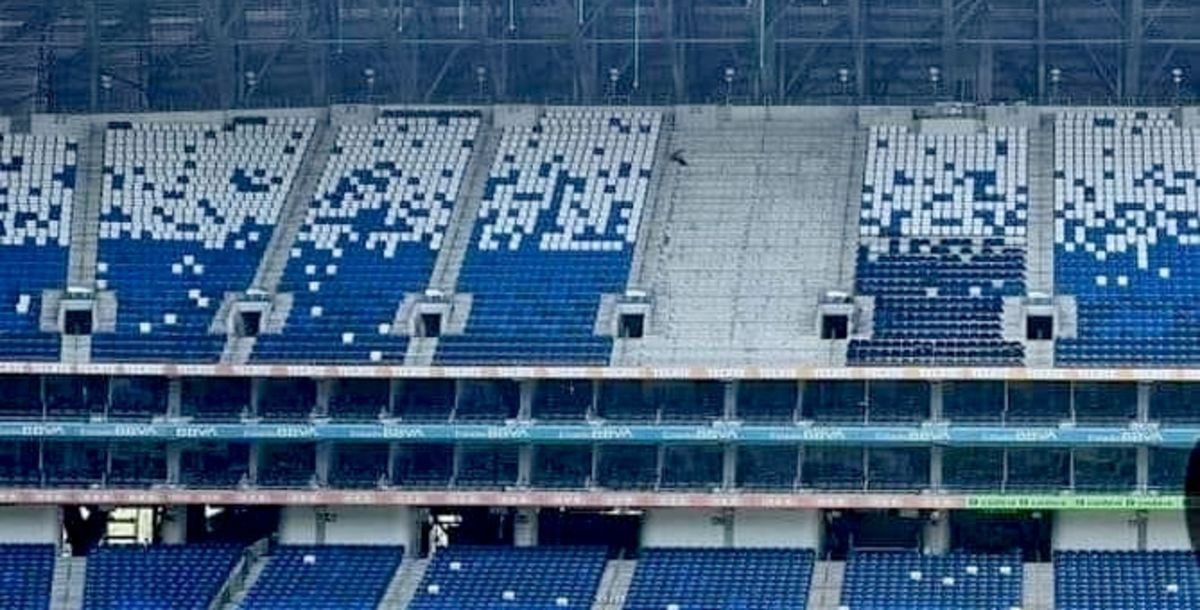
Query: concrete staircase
x=826 y=587
x=66 y=592
x=1039 y=263
x=316 y=157
x=275 y=259
x=747 y=236
x=466 y=209
x=641 y=267
x=1038 y=587
x=404 y=585
x=236 y=591
x=85 y=217
x=614 y=585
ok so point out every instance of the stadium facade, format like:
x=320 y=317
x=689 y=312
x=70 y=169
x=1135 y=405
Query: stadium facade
x=645 y=305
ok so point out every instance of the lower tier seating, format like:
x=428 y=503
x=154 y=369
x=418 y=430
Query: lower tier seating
x=26 y=571
x=704 y=579
x=1126 y=580
x=906 y=580
x=182 y=577
x=325 y=578
x=490 y=578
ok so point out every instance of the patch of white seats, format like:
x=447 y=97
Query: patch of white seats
x=413 y=213
x=909 y=192
x=1126 y=185
x=161 y=149
x=35 y=204
x=591 y=146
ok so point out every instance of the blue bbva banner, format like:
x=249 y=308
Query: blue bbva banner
x=926 y=434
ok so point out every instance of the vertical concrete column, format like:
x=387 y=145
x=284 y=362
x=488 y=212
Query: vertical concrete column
x=174 y=397
x=324 y=393
x=525 y=527
x=594 y=481
x=175 y=525
x=258 y=388
x=1143 y=468
x=174 y=463
x=937 y=534
x=1143 y=401
x=393 y=453
x=323 y=462
x=729 y=467
x=936 y=400
x=254 y=460
x=525 y=407
x=728 y=519
x=935 y=468
x=731 y=396
x=524 y=465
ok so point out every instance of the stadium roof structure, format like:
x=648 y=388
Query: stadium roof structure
x=132 y=55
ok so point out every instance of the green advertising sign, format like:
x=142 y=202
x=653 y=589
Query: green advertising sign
x=1075 y=502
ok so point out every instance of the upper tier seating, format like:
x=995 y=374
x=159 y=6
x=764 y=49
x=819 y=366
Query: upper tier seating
x=26 y=573
x=1120 y=580
x=179 y=577
x=704 y=579
x=1127 y=237
x=37 y=192
x=528 y=578
x=556 y=230
x=383 y=204
x=188 y=210
x=906 y=580
x=325 y=578
x=942 y=237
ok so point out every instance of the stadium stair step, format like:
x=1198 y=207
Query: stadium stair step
x=249 y=570
x=270 y=269
x=1038 y=588
x=403 y=588
x=826 y=590
x=614 y=585
x=449 y=262
x=85 y=217
x=66 y=592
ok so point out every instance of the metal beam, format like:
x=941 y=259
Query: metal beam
x=1134 y=31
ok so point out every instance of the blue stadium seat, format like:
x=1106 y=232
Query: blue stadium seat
x=556 y=230
x=907 y=580
x=496 y=578
x=37 y=193
x=187 y=212
x=26 y=573
x=1127 y=238
x=1122 y=580
x=325 y=578
x=176 y=577
x=942 y=237
x=707 y=579
x=384 y=202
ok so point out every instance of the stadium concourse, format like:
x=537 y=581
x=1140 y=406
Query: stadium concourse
x=643 y=358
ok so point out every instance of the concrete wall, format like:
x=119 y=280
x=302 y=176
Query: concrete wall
x=1079 y=530
x=348 y=525
x=1166 y=531
x=782 y=528
x=680 y=527
x=30 y=524
x=683 y=527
